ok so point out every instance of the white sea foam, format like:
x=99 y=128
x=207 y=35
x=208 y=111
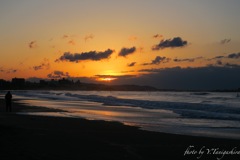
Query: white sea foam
x=204 y=114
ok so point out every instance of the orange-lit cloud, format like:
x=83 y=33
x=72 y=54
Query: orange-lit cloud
x=44 y=65
x=87 y=37
x=225 y=41
x=32 y=44
x=158 y=36
x=72 y=42
x=58 y=75
x=112 y=77
x=65 y=36
x=132 y=38
x=8 y=71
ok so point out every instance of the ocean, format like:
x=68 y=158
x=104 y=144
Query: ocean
x=209 y=114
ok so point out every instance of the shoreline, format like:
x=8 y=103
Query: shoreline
x=40 y=137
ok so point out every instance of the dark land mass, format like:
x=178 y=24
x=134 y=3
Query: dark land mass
x=54 y=138
x=66 y=84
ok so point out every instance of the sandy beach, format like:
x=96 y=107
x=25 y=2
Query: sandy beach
x=38 y=137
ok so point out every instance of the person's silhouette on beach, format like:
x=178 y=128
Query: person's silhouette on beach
x=8 y=99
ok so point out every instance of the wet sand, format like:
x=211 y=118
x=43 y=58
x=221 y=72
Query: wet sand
x=42 y=138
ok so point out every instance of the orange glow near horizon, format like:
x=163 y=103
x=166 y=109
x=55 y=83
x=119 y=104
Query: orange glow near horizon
x=106 y=79
x=34 y=47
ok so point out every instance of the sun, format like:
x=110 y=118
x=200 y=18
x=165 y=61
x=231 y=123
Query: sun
x=106 y=79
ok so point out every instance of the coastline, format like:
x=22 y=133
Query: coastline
x=39 y=137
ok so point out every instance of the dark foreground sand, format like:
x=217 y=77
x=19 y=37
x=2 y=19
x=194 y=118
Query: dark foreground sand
x=25 y=137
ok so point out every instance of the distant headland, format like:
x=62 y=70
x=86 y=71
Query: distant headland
x=69 y=84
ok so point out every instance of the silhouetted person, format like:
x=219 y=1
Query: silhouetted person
x=8 y=99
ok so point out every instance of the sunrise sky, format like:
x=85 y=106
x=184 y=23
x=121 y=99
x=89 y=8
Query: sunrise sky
x=129 y=41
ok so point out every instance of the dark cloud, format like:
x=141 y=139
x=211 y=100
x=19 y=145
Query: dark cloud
x=58 y=75
x=218 y=57
x=44 y=65
x=229 y=56
x=229 y=65
x=184 y=60
x=131 y=64
x=126 y=51
x=87 y=37
x=234 y=55
x=232 y=65
x=187 y=59
x=225 y=41
x=203 y=78
x=8 y=71
x=12 y=71
x=219 y=62
x=32 y=44
x=158 y=60
x=157 y=36
x=92 y=55
x=170 y=43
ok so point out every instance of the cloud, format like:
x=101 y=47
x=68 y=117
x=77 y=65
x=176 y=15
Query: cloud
x=158 y=60
x=219 y=62
x=184 y=60
x=32 y=44
x=157 y=36
x=229 y=56
x=132 y=38
x=58 y=75
x=92 y=55
x=232 y=65
x=128 y=71
x=65 y=36
x=114 y=77
x=11 y=71
x=176 y=42
x=141 y=49
x=72 y=42
x=131 y=64
x=234 y=55
x=203 y=78
x=87 y=37
x=225 y=41
x=44 y=65
x=126 y=51
x=218 y=57
x=8 y=71
x=229 y=65
x=70 y=39
x=187 y=59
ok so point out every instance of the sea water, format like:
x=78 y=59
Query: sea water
x=211 y=114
